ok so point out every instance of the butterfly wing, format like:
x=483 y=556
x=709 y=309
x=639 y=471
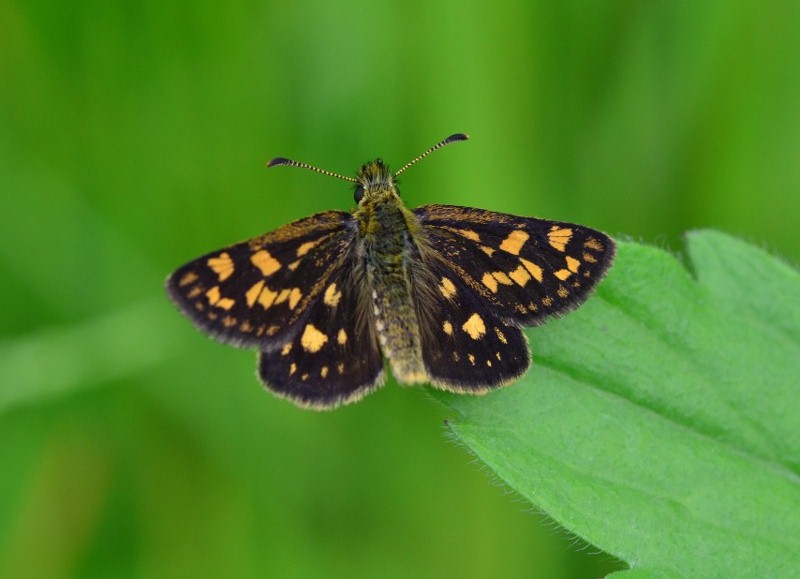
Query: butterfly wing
x=529 y=269
x=256 y=292
x=334 y=358
x=466 y=346
x=298 y=294
x=485 y=275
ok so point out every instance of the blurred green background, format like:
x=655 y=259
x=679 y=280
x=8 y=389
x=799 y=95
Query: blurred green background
x=133 y=137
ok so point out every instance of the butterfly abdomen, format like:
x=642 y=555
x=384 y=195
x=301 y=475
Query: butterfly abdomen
x=387 y=241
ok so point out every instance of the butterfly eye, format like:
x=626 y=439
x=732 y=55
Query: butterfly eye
x=359 y=193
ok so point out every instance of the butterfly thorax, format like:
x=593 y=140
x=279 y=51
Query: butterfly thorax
x=387 y=231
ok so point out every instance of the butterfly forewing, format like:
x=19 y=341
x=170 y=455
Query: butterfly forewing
x=334 y=358
x=525 y=269
x=256 y=293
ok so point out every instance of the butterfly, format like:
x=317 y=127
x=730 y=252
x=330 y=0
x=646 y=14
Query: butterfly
x=440 y=292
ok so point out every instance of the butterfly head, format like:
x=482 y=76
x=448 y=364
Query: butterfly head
x=373 y=177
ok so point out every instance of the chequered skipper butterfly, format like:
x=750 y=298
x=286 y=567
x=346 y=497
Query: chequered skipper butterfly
x=440 y=292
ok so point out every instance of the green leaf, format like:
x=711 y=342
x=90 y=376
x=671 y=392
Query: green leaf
x=661 y=421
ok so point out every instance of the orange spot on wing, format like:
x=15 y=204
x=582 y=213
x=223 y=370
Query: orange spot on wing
x=222 y=265
x=264 y=261
x=514 y=242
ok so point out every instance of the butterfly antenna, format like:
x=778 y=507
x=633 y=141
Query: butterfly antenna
x=436 y=147
x=283 y=161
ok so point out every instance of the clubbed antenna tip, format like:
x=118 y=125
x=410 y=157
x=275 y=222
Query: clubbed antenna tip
x=279 y=161
x=456 y=137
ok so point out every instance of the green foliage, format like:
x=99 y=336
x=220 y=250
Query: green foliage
x=662 y=420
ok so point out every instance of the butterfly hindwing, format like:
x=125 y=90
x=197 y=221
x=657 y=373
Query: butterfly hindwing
x=466 y=346
x=255 y=293
x=526 y=269
x=334 y=357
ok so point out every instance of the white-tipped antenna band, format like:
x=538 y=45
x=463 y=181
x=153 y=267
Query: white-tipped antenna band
x=284 y=161
x=436 y=147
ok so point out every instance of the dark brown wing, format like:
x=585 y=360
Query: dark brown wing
x=528 y=269
x=256 y=293
x=484 y=275
x=467 y=347
x=334 y=357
